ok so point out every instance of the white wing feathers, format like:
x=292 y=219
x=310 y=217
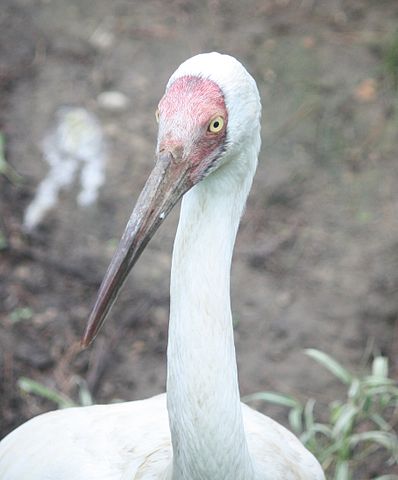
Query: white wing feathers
x=131 y=441
x=102 y=442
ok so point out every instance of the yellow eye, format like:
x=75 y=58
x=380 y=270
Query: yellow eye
x=157 y=115
x=216 y=125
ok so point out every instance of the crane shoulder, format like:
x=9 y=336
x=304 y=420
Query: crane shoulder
x=131 y=440
x=278 y=454
x=120 y=441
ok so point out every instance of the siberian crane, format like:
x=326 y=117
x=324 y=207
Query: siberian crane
x=207 y=149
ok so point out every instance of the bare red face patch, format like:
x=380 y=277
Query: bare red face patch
x=194 y=96
x=186 y=113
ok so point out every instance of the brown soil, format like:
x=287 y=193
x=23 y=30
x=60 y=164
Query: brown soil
x=316 y=260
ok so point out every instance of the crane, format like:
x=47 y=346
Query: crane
x=207 y=150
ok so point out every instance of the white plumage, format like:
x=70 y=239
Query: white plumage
x=129 y=441
x=204 y=432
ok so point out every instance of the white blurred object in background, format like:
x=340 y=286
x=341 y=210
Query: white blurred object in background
x=75 y=144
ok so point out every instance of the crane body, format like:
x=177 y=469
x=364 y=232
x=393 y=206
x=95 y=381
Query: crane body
x=131 y=441
x=208 y=144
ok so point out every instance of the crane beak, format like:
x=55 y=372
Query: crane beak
x=166 y=184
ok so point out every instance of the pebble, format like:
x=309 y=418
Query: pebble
x=113 y=101
x=102 y=39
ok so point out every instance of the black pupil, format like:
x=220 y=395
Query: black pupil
x=216 y=124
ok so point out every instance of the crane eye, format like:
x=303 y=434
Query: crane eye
x=157 y=114
x=216 y=125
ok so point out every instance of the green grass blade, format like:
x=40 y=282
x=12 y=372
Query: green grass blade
x=85 y=397
x=386 y=439
x=275 y=398
x=330 y=364
x=380 y=367
x=309 y=414
x=5 y=167
x=342 y=471
x=296 y=420
x=380 y=422
x=28 y=385
x=387 y=477
x=345 y=420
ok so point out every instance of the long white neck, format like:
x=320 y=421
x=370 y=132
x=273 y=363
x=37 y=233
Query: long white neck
x=202 y=385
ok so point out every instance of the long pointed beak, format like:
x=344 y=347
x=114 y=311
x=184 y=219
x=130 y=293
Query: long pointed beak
x=166 y=184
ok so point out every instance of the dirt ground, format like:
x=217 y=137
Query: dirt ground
x=316 y=259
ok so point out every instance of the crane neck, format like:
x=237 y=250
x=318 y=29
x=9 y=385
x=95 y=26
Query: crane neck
x=202 y=383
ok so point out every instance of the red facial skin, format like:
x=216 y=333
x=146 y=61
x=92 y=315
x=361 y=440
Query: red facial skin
x=186 y=111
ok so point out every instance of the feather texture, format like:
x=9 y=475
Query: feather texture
x=131 y=441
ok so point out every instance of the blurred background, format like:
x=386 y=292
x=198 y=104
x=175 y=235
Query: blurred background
x=316 y=259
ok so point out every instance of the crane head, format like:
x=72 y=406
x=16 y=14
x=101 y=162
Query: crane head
x=210 y=110
x=193 y=119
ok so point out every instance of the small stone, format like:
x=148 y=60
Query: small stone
x=308 y=42
x=113 y=101
x=102 y=38
x=366 y=91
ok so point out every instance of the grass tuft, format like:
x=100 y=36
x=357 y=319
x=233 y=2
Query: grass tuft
x=363 y=424
x=391 y=59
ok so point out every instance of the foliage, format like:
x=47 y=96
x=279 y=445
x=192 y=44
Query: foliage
x=5 y=168
x=391 y=59
x=30 y=386
x=21 y=313
x=361 y=425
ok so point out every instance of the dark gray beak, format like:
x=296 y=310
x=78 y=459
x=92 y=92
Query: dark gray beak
x=166 y=184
